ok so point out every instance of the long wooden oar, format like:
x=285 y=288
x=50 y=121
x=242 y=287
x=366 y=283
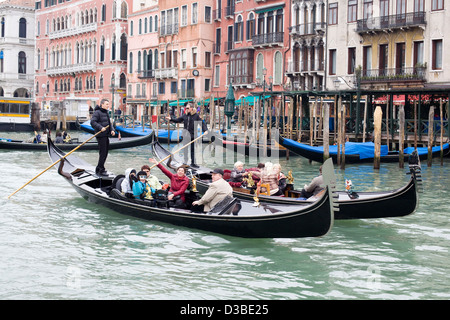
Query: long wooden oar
x=55 y=163
x=177 y=150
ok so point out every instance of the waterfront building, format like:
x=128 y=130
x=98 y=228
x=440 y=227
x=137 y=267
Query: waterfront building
x=81 y=55
x=16 y=48
x=251 y=43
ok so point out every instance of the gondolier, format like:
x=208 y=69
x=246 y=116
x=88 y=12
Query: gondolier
x=189 y=120
x=99 y=121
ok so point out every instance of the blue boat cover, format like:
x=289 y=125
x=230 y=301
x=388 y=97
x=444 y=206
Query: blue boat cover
x=424 y=150
x=363 y=149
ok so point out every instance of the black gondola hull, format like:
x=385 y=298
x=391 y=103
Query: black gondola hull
x=265 y=221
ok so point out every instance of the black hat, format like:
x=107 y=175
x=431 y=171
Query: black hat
x=217 y=170
x=142 y=173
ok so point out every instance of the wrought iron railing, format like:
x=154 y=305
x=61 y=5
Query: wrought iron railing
x=393 y=74
x=392 y=21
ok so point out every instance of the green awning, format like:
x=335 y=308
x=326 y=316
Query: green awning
x=180 y=102
x=250 y=100
x=269 y=9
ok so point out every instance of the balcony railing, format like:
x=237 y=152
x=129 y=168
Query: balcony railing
x=217 y=48
x=307 y=28
x=72 y=68
x=267 y=38
x=391 y=22
x=73 y=31
x=166 y=73
x=229 y=11
x=393 y=75
x=168 y=29
x=146 y=74
x=217 y=14
x=241 y=79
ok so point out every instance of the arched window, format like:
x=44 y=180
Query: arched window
x=259 y=66
x=278 y=70
x=22 y=28
x=122 y=81
x=239 y=29
x=22 y=62
x=150 y=24
x=2 y=30
x=113 y=48
x=102 y=50
x=123 y=10
x=139 y=62
x=123 y=47
x=130 y=63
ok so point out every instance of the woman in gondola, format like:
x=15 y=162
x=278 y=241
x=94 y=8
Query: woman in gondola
x=178 y=185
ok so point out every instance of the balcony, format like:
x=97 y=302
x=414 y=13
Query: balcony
x=168 y=30
x=73 y=31
x=268 y=39
x=146 y=74
x=216 y=47
x=307 y=29
x=217 y=14
x=410 y=74
x=229 y=12
x=166 y=73
x=72 y=69
x=412 y=19
x=241 y=80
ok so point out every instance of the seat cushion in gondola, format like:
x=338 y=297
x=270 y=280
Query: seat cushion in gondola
x=116 y=183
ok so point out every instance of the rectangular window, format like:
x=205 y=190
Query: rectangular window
x=207 y=85
x=208 y=59
x=162 y=87
x=207 y=14
x=437 y=55
x=383 y=59
x=367 y=9
x=194 y=57
x=351 y=60
x=400 y=58
x=418 y=53
x=217 y=76
x=437 y=5
x=367 y=60
x=183 y=59
x=419 y=5
x=184 y=15
x=352 y=15
x=332 y=65
x=332 y=13
x=194 y=17
x=173 y=87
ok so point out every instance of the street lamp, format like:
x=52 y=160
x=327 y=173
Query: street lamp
x=229 y=106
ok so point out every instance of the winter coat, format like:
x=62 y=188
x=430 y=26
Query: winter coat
x=177 y=185
x=217 y=191
x=99 y=120
x=127 y=184
x=189 y=122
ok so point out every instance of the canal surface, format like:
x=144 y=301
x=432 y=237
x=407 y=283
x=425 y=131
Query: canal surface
x=55 y=245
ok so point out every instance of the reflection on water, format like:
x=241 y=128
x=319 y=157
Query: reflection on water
x=55 y=245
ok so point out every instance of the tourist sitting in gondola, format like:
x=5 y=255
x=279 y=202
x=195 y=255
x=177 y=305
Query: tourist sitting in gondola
x=178 y=185
x=237 y=174
x=127 y=184
x=59 y=137
x=313 y=188
x=270 y=175
x=141 y=188
x=151 y=179
x=218 y=190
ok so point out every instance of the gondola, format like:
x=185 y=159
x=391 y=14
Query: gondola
x=115 y=143
x=393 y=203
x=357 y=152
x=233 y=217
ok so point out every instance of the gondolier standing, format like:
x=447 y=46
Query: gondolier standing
x=99 y=121
x=189 y=120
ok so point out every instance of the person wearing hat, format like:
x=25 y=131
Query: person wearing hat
x=141 y=188
x=217 y=191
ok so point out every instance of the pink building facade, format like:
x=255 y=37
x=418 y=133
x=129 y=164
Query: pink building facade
x=81 y=55
x=251 y=44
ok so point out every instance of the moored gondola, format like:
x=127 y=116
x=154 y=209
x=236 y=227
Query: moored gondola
x=233 y=217
x=357 y=152
x=384 y=204
x=115 y=143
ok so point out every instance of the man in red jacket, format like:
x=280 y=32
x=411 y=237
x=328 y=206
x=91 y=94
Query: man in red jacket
x=178 y=185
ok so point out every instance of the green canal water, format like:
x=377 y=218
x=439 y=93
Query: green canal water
x=55 y=245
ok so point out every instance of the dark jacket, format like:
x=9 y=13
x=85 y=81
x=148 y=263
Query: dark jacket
x=99 y=120
x=189 y=122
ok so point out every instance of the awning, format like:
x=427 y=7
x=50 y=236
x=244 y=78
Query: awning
x=179 y=102
x=250 y=100
x=269 y=9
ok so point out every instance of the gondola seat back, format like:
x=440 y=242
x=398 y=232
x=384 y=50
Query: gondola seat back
x=224 y=206
x=117 y=182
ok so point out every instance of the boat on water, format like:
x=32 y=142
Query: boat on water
x=233 y=217
x=115 y=143
x=357 y=152
x=271 y=149
x=361 y=205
